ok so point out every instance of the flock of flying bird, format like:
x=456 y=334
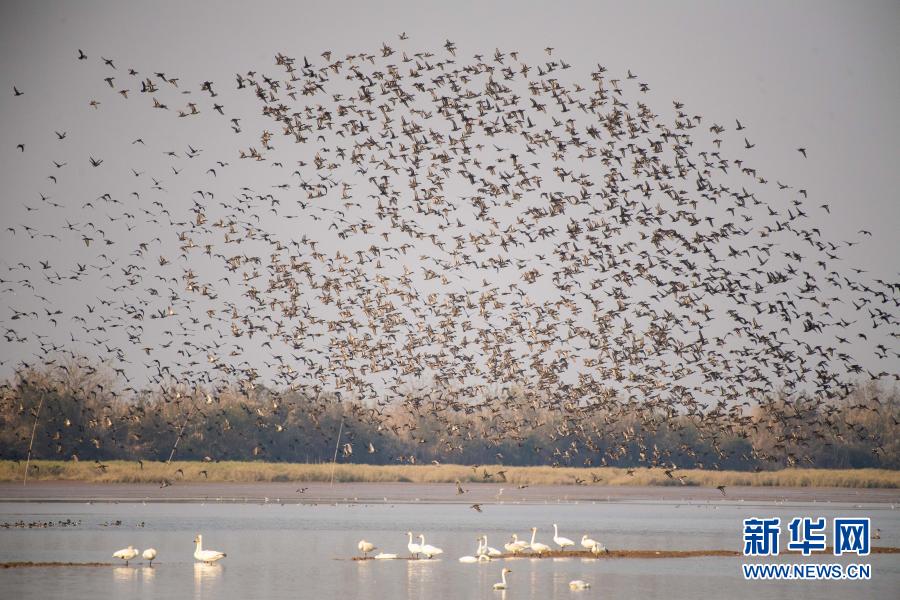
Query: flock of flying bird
x=485 y=237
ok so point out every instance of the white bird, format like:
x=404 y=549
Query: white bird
x=502 y=584
x=150 y=554
x=365 y=547
x=384 y=556
x=598 y=548
x=492 y=552
x=126 y=554
x=516 y=545
x=588 y=543
x=427 y=549
x=562 y=542
x=478 y=554
x=579 y=584
x=414 y=549
x=206 y=556
x=537 y=546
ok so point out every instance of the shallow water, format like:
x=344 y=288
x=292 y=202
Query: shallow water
x=303 y=550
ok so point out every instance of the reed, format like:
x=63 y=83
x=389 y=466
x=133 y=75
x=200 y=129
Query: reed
x=117 y=471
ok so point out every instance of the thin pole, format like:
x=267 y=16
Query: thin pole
x=336 y=444
x=31 y=443
x=181 y=431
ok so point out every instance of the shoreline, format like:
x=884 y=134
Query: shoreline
x=486 y=494
x=579 y=554
x=177 y=472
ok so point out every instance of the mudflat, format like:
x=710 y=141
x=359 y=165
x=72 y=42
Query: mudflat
x=74 y=491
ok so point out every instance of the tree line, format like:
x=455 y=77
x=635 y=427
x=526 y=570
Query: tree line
x=79 y=413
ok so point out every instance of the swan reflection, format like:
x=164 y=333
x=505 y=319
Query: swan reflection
x=419 y=573
x=124 y=574
x=205 y=578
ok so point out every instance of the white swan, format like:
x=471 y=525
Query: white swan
x=562 y=542
x=492 y=552
x=537 y=546
x=579 y=584
x=427 y=549
x=414 y=549
x=473 y=559
x=126 y=554
x=588 y=543
x=599 y=548
x=206 y=556
x=385 y=556
x=514 y=546
x=502 y=584
x=523 y=544
x=365 y=547
x=150 y=554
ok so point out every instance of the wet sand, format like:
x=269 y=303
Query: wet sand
x=630 y=554
x=314 y=492
x=612 y=554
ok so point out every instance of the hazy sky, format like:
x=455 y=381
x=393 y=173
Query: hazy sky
x=822 y=75
x=819 y=74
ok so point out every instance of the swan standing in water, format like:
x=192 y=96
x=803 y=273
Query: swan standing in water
x=562 y=542
x=492 y=552
x=126 y=554
x=365 y=547
x=502 y=584
x=537 y=546
x=414 y=549
x=206 y=556
x=427 y=549
x=150 y=554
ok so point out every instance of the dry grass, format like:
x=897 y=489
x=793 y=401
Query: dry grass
x=132 y=472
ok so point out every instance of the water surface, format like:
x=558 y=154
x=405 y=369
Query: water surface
x=302 y=550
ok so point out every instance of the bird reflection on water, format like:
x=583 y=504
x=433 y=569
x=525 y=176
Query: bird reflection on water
x=205 y=578
x=125 y=574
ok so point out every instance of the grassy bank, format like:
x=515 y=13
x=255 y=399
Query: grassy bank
x=155 y=472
